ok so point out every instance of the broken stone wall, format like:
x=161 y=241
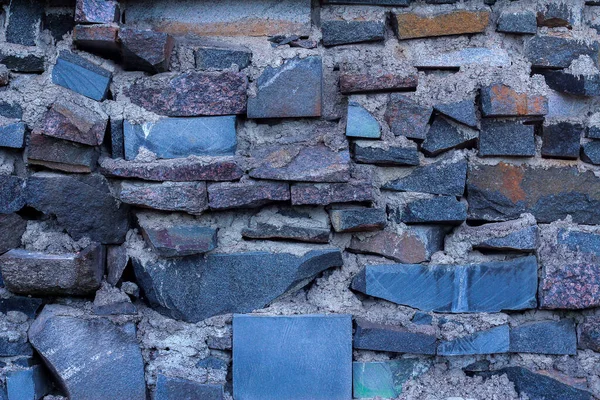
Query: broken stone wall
x=299 y=199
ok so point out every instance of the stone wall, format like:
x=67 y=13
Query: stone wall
x=290 y=199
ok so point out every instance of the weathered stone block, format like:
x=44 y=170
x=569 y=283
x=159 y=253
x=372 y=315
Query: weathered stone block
x=99 y=39
x=13 y=135
x=360 y=123
x=575 y=84
x=69 y=121
x=490 y=287
x=292 y=357
x=502 y=101
x=407 y=118
x=246 y=194
x=218 y=55
x=517 y=22
x=456 y=59
x=190 y=197
x=376 y=81
x=12 y=227
x=383 y=153
x=191 y=94
x=547 y=51
x=82 y=76
x=330 y=193
x=372 y=336
x=146 y=50
x=28 y=384
x=198 y=287
x=178 y=240
x=292 y=90
x=182 y=137
x=504 y=191
x=561 y=140
x=446 y=177
x=340 y=32
x=34 y=273
x=491 y=341
x=117 y=140
x=286 y=232
x=12 y=195
x=97 y=11
x=177 y=170
x=116 y=262
x=168 y=388
x=525 y=239
x=113 y=362
x=358 y=219
x=500 y=138
x=588 y=333
x=555 y=15
x=443 y=136
x=546 y=337
x=11 y=110
x=61 y=155
x=83 y=204
x=458 y=22
x=590 y=152
x=383 y=378
x=19 y=62
x=23 y=26
x=301 y=163
x=461 y=111
x=406 y=247
x=438 y=210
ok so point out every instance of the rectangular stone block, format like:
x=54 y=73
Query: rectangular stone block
x=562 y=140
x=97 y=11
x=545 y=337
x=517 y=22
x=145 y=50
x=12 y=135
x=458 y=22
x=359 y=219
x=117 y=141
x=98 y=39
x=169 y=388
x=267 y=231
x=24 y=23
x=31 y=383
x=525 y=240
x=438 y=210
x=221 y=55
x=558 y=51
x=499 y=138
x=292 y=357
x=182 y=137
x=69 y=121
x=499 y=100
x=190 y=197
x=565 y=81
x=487 y=287
x=61 y=155
x=376 y=81
x=382 y=153
x=330 y=193
x=443 y=136
x=31 y=61
x=178 y=240
x=404 y=247
x=407 y=118
x=82 y=76
x=246 y=194
x=338 y=32
x=491 y=341
x=396 y=339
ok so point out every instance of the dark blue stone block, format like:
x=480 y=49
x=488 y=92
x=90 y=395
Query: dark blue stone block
x=117 y=140
x=590 y=152
x=517 y=22
x=462 y=111
x=26 y=305
x=439 y=210
x=371 y=336
x=182 y=137
x=11 y=110
x=498 y=138
x=81 y=76
x=443 y=136
x=491 y=341
x=561 y=140
x=28 y=384
x=181 y=389
x=523 y=240
x=215 y=55
x=13 y=135
x=24 y=22
x=487 y=287
x=292 y=357
x=12 y=195
x=338 y=32
x=546 y=337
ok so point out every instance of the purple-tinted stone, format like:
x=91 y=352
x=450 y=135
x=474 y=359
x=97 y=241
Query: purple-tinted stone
x=407 y=118
x=358 y=219
x=589 y=333
x=62 y=155
x=98 y=39
x=268 y=231
x=116 y=261
x=246 y=194
x=375 y=81
x=180 y=239
x=190 y=197
x=67 y=120
x=330 y=193
x=97 y=11
x=406 y=247
x=146 y=50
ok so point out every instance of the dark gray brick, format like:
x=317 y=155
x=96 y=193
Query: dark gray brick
x=499 y=138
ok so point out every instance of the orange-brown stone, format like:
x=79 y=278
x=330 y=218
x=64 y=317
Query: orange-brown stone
x=500 y=100
x=411 y=25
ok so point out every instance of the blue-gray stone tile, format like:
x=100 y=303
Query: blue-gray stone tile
x=29 y=384
x=461 y=111
x=525 y=240
x=82 y=76
x=338 y=32
x=545 y=337
x=443 y=136
x=590 y=152
x=217 y=55
x=517 y=22
x=12 y=135
x=487 y=287
x=385 y=154
x=292 y=357
x=168 y=388
x=579 y=241
x=360 y=123
x=182 y=137
x=439 y=210
x=561 y=140
x=372 y=336
x=491 y=341
x=513 y=139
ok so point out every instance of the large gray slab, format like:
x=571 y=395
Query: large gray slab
x=544 y=337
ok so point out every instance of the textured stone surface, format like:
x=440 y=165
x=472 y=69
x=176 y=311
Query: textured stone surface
x=590 y=152
x=456 y=59
x=491 y=341
x=360 y=123
x=561 y=140
x=446 y=177
x=11 y=110
x=443 y=136
x=82 y=76
x=60 y=154
x=371 y=336
x=246 y=194
x=502 y=101
x=407 y=118
x=97 y=11
x=555 y=15
x=178 y=170
x=503 y=191
x=487 y=287
x=330 y=193
x=337 y=32
x=113 y=362
x=117 y=141
x=34 y=273
x=292 y=90
x=370 y=152
x=383 y=378
x=191 y=94
x=358 y=219
x=168 y=388
x=12 y=135
x=458 y=22
x=406 y=247
x=146 y=50
x=12 y=195
x=66 y=120
x=179 y=240
x=525 y=239
x=580 y=85
x=182 y=137
x=292 y=357
x=268 y=231
x=219 y=55
x=588 y=333
x=301 y=163
x=12 y=227
x=195 y=288
x=116 y=262
x=500 y=138
x=517 y=22
x=190 y=197
x=31 y=383
x=31 y=62
x=82 y=204
x=438 y=210
x=547 y=51
x=24 y=304
x=375 y=81
x=98 y=39
x=24 y=23
x=4 y=75
x=546 y=337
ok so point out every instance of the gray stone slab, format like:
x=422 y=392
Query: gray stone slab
x=456 y=59
x=379 y=337
x=545 y=337
x=359 y=219
x=547 y=51
x=168 y=388
x=487 y=287
x=517 y=22
x=443 y=136
x=512 y=139
x=407 y=118
x=360 y=123
x=82 y=76
x=190 y=197
x=561 y=140
x=525 y=239
x=381 y=153
x=338 y=32
x=461 y=111
x=491 y=341
x=13 y=135
x=216 y=55
x=292 y=357
x=439 y=210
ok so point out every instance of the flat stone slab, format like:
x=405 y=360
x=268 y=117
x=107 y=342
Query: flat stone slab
x=575 y=84
x=487 y=287
x=168 y=388
x=525 y=239
x=69 y=121
x=407 y=118
x=221 y=55
x=383 y=378
x=97 y=39
x=182 y=137
x=286 y=232
x=330 y=193
x=191 y=94
x=97 y=11
x=499 y=100
x=376 y=81
x=461 y=111
x=381 y=153
x=145 y=50
x=360 y=123
x=443 y=136
x=292 y=90
x=438 y=210
x=12 y=135
x=504 y=191
x=61 y=155
x=338 y=32
x=82 y=76
x=458 y=22
x=180 y=239
x=31 y=383
x=190 y=197
x=405 y=247
x=246 y=194
x=358 y=219
x=524 y=22
x=31 y=62
x=292 y=357
x=491 y=341
x=70 y=274
x=545 y=337
x=399 y=3
x=12 y=195
x=547 y=51
x=198 y=287
x=110 y=356
x=379 y=337
x=562 y=140
x=499 y=138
